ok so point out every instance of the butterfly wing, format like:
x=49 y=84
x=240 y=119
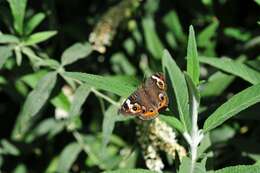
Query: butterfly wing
x=148 y=99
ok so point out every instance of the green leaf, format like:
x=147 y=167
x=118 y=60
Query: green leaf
x=222 y=134
x=173 y=122
x=107 y=160
x=193 y=67
x=68 y=156
x=121 y=64
x=5 y=52
x=109 y=120
x=61 y=101
x=18 y=12
x=152 y=40
x=33 y=103
x=18 y=55
x=75 y=52
x=21 y=168
x=205 y=36
x=194 y=99
x=171 y=20
x=80 y=96
x=114 y=84
x=240 y=169
x=180 y=88
x=44 y=127
x=216 y=84
x=130 y=171
x=237 y=34
x=33 y=78
x=6 y=38
x=39 y=37
x=111 y=116
x=237 y=103
x=33 y=23
x=9 y=148
x=185 y=166
x=258 y=2
x=233 y=67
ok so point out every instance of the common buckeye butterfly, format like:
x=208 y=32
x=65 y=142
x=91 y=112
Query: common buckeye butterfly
x=148 y=99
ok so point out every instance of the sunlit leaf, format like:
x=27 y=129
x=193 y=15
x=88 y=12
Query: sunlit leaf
x=237 y=103
x=75 y=52
x=6 y=38
x=115 y=85
x=193 y=68
x=180 y=88
x=33 y=23
x=233 y=67
x=39 y=37
x=18 y=12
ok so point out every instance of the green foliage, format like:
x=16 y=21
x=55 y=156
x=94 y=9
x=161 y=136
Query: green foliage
x=18 y=12
x=60 y=95
x=152 y=40
x=75 y=52
x=33 y=104
x=68 y=156
x=192 y=58
x=233 y=67
x=240 y=169
x=180 y=88
x=130 y=171
x=108 y=83
x=237 y=103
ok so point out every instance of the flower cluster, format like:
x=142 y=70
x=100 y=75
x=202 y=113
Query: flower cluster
x=105 y=30
x=154 y=136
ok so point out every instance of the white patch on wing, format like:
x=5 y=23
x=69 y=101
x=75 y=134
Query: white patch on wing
x=156 y=78
x=158 y=81
x=130 y=106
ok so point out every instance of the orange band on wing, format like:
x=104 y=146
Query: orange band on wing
x=164 y=103
x=149 y=115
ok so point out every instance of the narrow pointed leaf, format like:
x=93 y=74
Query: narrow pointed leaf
x=68 y=157
x=233 y=67
x=193 y=67
x=5 y=52
x=180 y=88
x=39 y=37
x=33 y=23
x=116 y=85
x=75 y=52
x=152 y=40
x=6 y=38
x=18 y=12
x=33 y=103
x=80 y=96
x=172 y=21
x=234 y=105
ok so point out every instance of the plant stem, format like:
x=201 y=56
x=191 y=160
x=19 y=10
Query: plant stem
x=99 y=94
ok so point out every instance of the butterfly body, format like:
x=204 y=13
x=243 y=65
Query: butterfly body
x=148 y=99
